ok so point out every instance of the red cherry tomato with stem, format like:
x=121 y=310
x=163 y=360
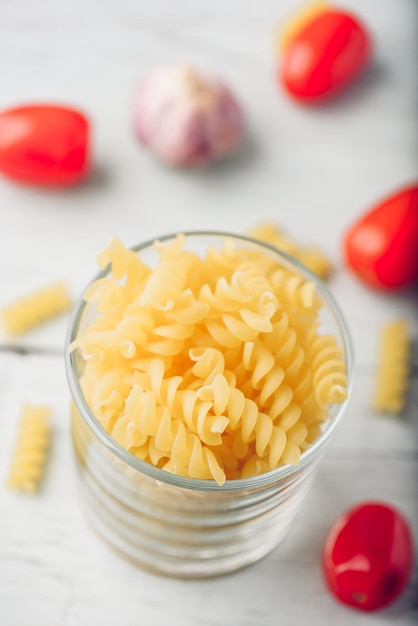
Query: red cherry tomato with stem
x=368 y=556
x=325 y=56
x=44 y=144
x=382 y=246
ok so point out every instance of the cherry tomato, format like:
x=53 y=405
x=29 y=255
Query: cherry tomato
x=44 y=144
x=325 y=56
x=381 y=247
x=368 y=556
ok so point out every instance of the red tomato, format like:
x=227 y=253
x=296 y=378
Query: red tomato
x=325 y=56
x=44 y=144
x=381 y=247
x=368 y=556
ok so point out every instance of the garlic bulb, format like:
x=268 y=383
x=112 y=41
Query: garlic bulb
x=185 y=118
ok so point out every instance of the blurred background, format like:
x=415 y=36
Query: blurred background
x=312 y=169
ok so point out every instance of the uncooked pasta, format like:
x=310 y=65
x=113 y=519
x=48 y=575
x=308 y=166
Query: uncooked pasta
x=29 y=456
x=392 y=377
x=209 y=366
x=312 y=257
x=30 y=310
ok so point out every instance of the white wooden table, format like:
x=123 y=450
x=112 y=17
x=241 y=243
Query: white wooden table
x=313 y=171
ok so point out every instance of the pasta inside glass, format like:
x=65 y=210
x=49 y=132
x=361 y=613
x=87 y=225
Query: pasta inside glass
x=173 y=522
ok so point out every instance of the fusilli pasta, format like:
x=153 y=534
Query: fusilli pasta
x=209 y=367
x=29 y=456
x=392 y=378
x=313 y=258
x=33 y=309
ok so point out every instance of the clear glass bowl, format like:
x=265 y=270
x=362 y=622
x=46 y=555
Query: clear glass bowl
x=181 y=526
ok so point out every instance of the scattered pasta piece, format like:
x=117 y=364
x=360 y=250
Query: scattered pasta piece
x=31 y=448
x=392 y=377
x=33 y=309
x=312 y=258
x=208 y=366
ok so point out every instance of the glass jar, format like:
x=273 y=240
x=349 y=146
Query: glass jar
x=181 y=526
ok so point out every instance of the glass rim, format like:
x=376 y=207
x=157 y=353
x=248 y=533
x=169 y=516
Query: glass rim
x=198 y=484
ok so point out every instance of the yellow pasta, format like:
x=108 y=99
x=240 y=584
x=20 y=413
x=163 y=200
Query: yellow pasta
x=32 y=442
x=33 y=309
x=392 y=378
x=210 y=367
x=312 y=258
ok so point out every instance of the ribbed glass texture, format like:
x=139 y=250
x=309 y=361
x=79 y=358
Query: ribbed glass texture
x=181 y=526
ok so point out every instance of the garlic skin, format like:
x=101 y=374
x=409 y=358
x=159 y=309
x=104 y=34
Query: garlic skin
x=186 y=119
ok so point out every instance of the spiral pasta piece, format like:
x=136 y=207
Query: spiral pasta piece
x=256 y=284
x=109 y=297
x=35 y=308
x=392 y=376
x=199 y=462
x=212 y=366
x=297 y=295
x=266 y=373
x=30 y=451
x=107 y=394
x=188 y=309
x=241 y=308
x=123 y=263
x=209 y=362
x=328 y=369
x=226 y=295
x=164 y=285
x=311 y=257
x=222 y=262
